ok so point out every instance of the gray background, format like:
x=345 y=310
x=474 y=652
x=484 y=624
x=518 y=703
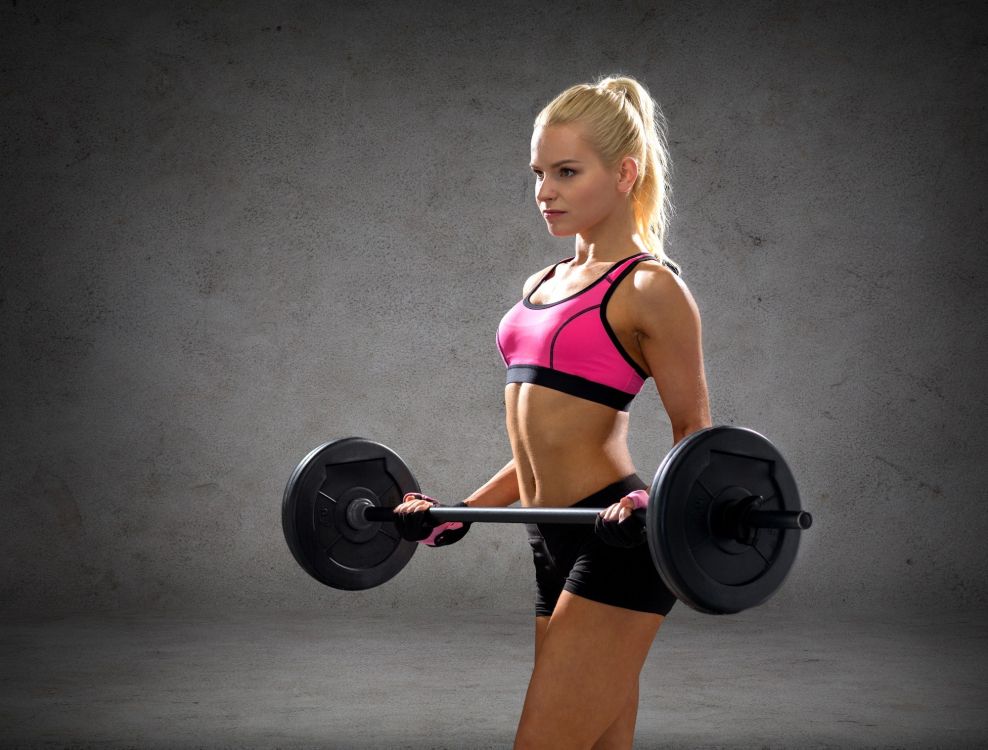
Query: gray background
x=233 y=231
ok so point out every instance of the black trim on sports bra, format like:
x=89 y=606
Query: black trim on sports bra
x=607 y=326
x=571 y=384
x=527 y=301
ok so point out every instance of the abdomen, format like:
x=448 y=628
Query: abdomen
x=564 y=447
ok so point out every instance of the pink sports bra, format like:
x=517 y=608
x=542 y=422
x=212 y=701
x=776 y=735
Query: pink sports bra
x=569 y=346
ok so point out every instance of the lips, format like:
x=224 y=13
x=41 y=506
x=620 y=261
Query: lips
x=553 y=213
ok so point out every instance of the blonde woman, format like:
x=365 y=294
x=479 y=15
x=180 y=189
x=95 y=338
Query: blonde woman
x=578 y=346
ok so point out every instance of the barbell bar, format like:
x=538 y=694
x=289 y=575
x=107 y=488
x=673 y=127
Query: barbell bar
x=366 y=512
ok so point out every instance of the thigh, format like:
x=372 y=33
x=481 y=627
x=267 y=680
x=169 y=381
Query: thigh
x=541 y=625
x=589 y=660
x=553 y=557
x=619 y=576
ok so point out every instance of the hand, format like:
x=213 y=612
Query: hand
x=618 y=526
x=415 y=524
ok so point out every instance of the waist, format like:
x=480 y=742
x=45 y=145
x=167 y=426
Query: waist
x=603 y=497
x=612 y=492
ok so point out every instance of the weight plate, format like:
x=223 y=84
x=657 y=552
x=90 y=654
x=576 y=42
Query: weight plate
x=320 y=518
x=710 y=573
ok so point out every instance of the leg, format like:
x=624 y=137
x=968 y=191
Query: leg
x=585 y=674
x=541 y=625
x=621 y=734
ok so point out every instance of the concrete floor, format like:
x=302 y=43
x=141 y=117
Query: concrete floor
x=338 y=679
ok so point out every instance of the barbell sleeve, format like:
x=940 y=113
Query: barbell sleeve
x=778 y=519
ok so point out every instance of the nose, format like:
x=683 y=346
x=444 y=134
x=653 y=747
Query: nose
x=545 y=191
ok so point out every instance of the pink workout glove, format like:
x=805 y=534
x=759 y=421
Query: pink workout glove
x=419 y=526
x=627 y=533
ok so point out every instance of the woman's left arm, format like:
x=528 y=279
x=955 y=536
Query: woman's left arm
x=667 y=324
x=670 y=336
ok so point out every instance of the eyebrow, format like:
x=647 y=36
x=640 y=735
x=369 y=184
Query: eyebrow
x=560 y=163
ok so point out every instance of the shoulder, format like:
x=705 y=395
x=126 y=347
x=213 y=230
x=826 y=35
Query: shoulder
x=660 y=298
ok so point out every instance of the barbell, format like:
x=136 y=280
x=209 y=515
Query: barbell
x=722 y=525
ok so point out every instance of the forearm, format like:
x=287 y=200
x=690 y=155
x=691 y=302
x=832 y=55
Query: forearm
x=499 y=491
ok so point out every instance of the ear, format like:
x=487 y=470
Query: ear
x=627 y=174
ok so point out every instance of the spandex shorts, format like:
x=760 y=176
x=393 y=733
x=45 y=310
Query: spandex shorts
x=573 y=558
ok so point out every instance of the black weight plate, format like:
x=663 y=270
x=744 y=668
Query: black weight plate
x=314 y=513
x=716 y=574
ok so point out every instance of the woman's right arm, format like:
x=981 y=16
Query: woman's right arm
x=499 y=491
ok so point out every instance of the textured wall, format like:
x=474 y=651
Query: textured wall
x=234 y=230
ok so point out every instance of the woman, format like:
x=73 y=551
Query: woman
x=578 y=346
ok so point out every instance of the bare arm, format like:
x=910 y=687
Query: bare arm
x=671 y=342
x=499 y=491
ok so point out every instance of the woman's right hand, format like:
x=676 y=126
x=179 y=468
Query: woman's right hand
x=416 y=525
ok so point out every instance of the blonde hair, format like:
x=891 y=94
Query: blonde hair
x=620 y=119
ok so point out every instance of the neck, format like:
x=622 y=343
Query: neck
x=609 y=240
x=587 y=252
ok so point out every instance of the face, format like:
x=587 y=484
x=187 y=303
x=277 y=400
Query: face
x=569 y=177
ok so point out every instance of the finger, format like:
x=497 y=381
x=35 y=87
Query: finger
x=410 y=506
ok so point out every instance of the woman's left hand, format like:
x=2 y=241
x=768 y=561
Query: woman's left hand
x=622 y=509
x=619 y=510
x=612 y=525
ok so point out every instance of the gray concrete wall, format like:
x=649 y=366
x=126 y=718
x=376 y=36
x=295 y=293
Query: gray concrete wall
x=232 y=231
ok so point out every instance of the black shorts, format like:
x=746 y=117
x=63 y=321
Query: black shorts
x=572 y=557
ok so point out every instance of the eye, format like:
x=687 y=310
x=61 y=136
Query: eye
x=538 y=174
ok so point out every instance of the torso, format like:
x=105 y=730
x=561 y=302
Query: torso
x=566 y=447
